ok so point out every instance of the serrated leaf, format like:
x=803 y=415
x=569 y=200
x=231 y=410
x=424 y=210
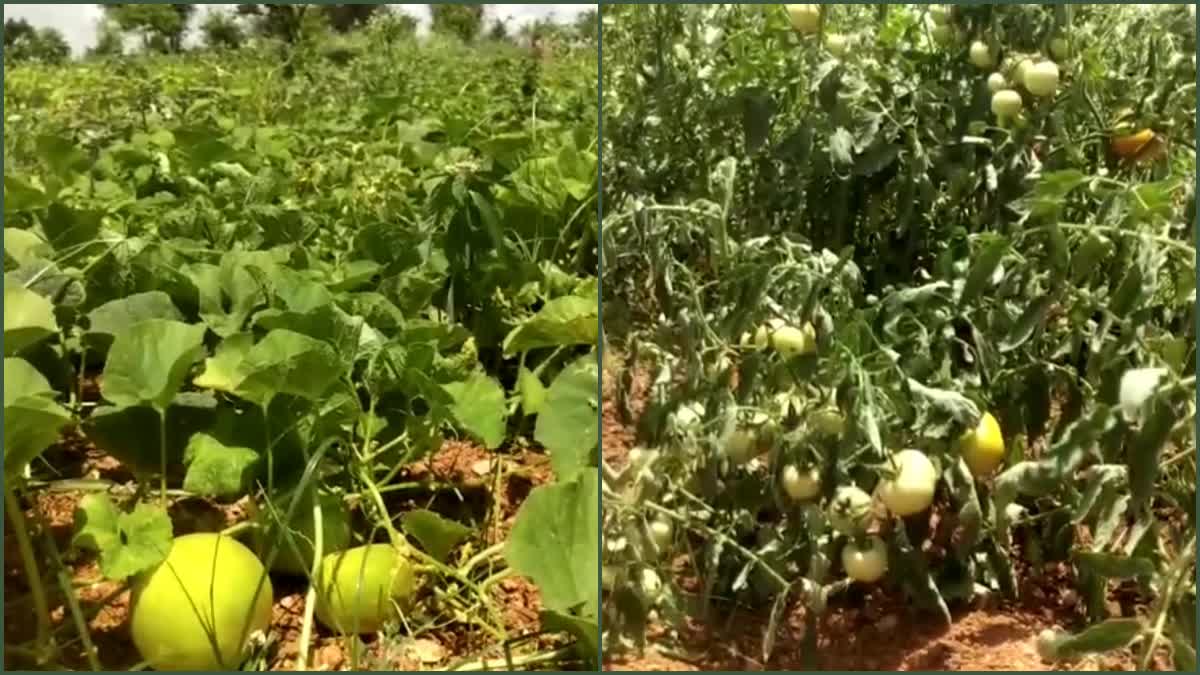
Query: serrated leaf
x=148 y=362
x=28 y=318
x=567 y=424
x=479 y=406
x=961 y=408
x=437 y=535
x=555 y=542
x=217 y=470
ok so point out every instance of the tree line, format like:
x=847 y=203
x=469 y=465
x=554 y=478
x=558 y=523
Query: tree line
x=162 y=28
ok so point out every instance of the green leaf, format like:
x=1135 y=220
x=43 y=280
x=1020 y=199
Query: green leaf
x=1050 y=193
x=585 y=630
x=113 y=317
x=555 y=542
x=983 y=268
x=222 y=370
x=218 y=470
x=24 y=246
x=841 y=147
x=570 y=320
x=283 y=362
x=131 y=434
x=1031 y=319
x=148 y=362
x=1113 y=566
x=961 y=408
x=437 y=535
x=533 y=392
x=1099 y=638
x=1145 y=451
x=32 y=418
x=28 y=318
x=567 y=423
x=480 y=408
x=128 y=543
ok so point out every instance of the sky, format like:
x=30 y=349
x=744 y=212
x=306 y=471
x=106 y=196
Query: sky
x=78 y=22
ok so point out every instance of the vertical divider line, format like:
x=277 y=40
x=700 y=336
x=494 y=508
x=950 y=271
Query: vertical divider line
x=600 y=332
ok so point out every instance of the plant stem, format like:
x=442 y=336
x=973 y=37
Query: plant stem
x=162 y=457
x=526 y=660
x=310 y=599
x=40 y=606
x=1176 y=575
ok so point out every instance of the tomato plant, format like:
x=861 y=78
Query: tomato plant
x=964 y=211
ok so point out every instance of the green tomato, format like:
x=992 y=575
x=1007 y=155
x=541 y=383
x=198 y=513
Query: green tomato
x=360 y=589
x=801 y=485
x=787 y=340
x=688 y=416
x=206 y=590
x=741 y=446
x=804 y=18
x=981 y=55
x=865 y=562
x=850 y=510
x=941 y=14
x=1059 y=48
x=911 y=490
x=1006 y=104
x=1041 y=79
x=749 y=440
x=828 y=421
x=943 y=34
x=837 y=44
x=660 y=533
x=996 y=82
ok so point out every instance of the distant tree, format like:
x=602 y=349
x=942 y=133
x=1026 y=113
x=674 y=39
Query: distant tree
x=290 y=22
x=345 y=18
x=16 y=31
x=393 y=26
x=587 y=26
x=23 y=42
x=462 y=21
x=498 y=30
x=161 y=27
x=110 y=41
x=221 y=29
x=285 y=22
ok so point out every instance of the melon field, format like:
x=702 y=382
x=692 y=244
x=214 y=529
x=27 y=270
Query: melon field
x=299 y=358
x=900 y=337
